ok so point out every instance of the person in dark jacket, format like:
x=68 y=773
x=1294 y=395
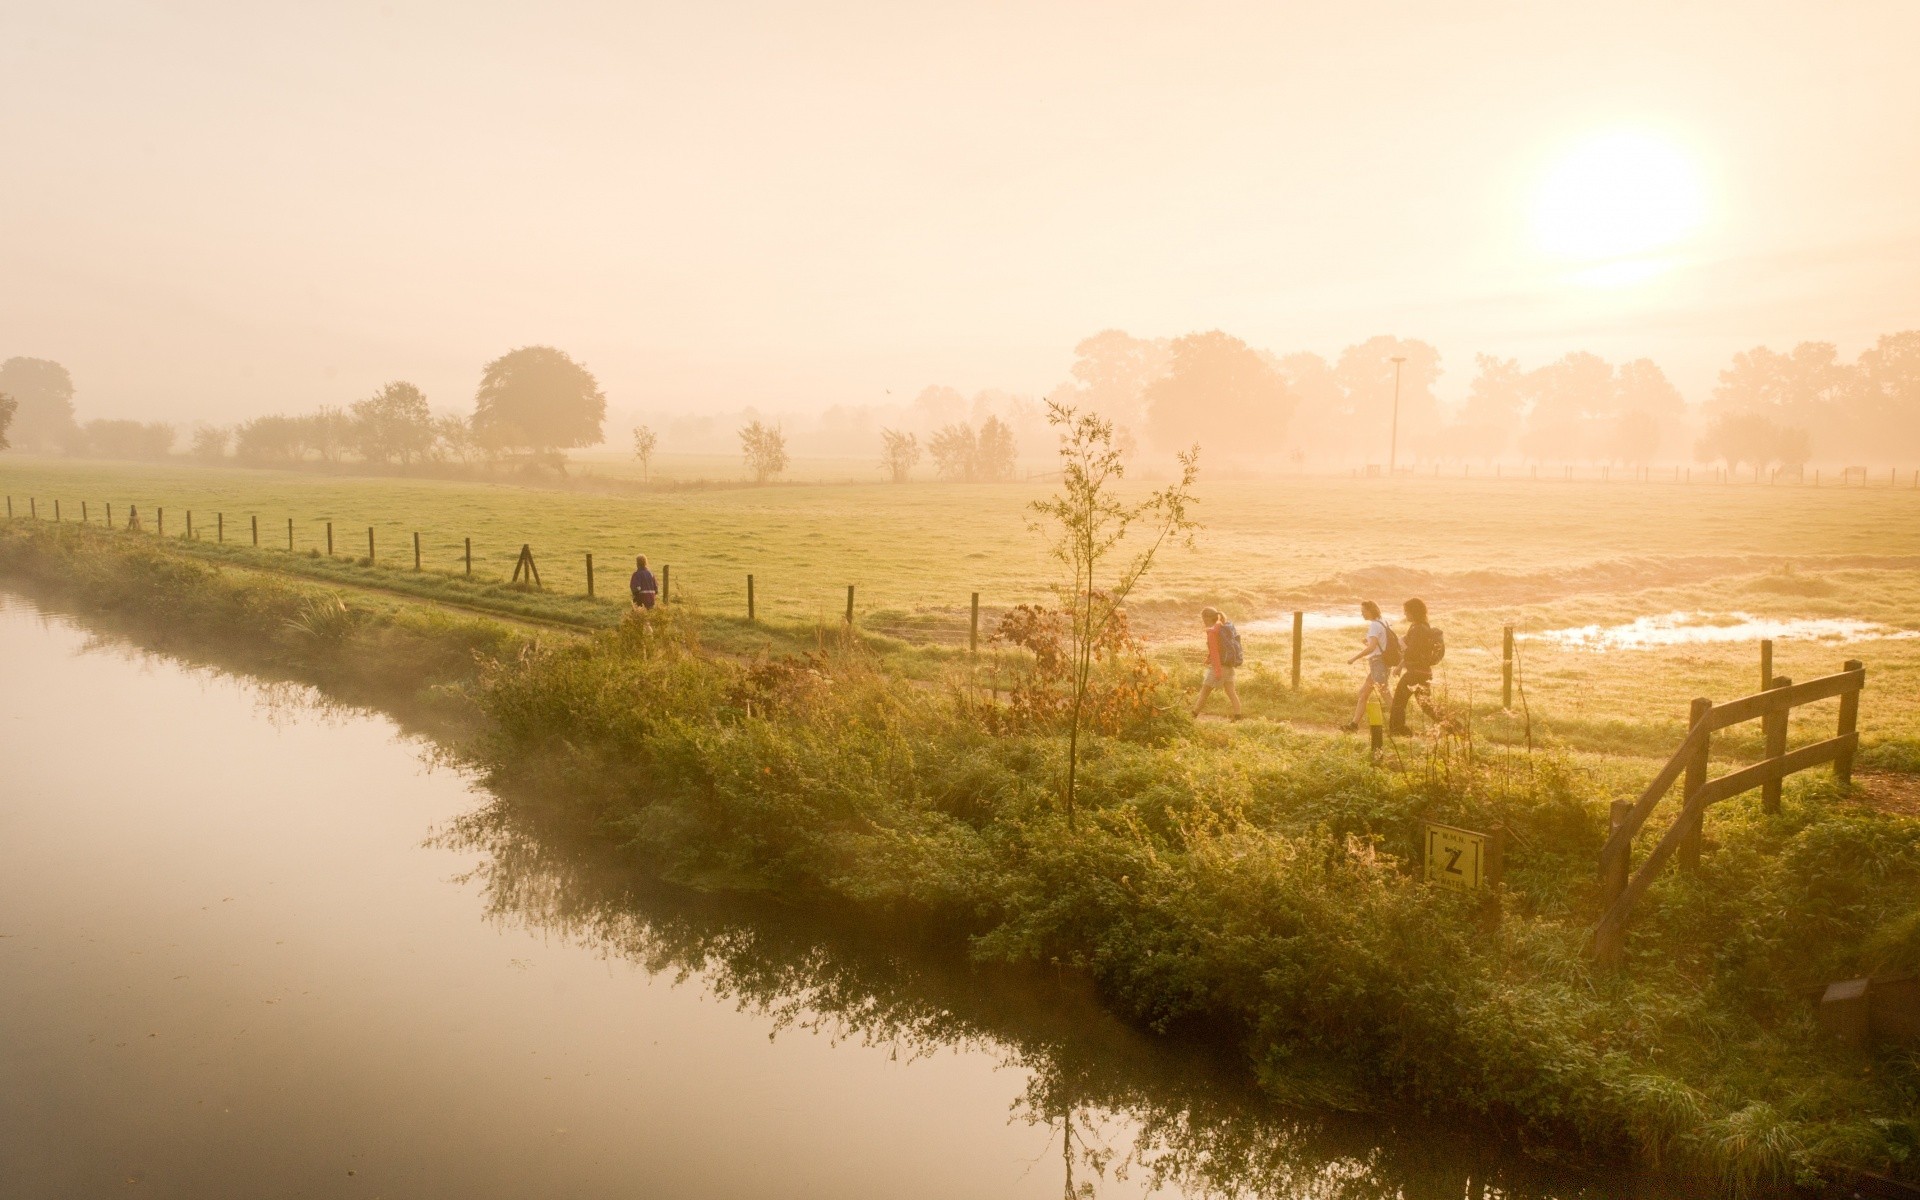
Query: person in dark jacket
x=645 y=590
x=1416 y=665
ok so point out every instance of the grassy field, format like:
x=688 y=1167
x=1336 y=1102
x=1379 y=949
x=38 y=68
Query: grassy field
x=1542 y=556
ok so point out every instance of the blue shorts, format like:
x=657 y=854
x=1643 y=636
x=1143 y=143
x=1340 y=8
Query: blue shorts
x=1377 y=670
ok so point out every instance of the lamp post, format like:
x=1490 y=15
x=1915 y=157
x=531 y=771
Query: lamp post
x=1393 y=446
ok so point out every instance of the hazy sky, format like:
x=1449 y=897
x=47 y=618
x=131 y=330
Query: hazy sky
x=215 y=210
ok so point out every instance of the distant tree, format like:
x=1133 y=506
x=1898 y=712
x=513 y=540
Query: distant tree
x=128 y=439
x=1751 y=439
x=953 y=450
x=1320 y=421
x=644 y=441
x=1883 y=406
x=994 y=453
x=940 y=406
x=1112 y=371
x=328 y=432
x=43 y=393
x=1217 y=385
x=210 y=443
x=1569 y=397
x=453 y=440
x=1634 y=437
x=1087 y=522
x=537 y=398
x=7 y=406
x=765 y=449
x=1491 y=416
x=266 y=441
x=899 y=454
x=393 y=425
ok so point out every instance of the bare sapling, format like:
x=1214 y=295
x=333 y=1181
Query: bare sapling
x=1088 y=520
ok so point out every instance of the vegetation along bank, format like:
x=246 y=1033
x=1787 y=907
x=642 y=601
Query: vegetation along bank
x=1252 y=883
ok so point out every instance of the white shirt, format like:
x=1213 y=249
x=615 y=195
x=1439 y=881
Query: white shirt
x=1377 y=633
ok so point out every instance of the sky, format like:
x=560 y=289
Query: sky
x=215 y=210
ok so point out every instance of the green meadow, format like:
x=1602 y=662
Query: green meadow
x=1832 y=572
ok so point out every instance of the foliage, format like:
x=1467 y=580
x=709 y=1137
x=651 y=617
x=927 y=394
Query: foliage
x=1126 y=696
x=765 y=449
x=210 y=443
x=393 y=425
x=127 y=439
x=1219 y=387
x=899 y=454
x=43 y=395
x=985 y=455
x=1749 y=439
x=538 y=399
x=7 y=406
x=1087 y=521
x=645 y=440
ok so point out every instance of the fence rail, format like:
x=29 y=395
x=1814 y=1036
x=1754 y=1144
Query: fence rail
x=1774 y=707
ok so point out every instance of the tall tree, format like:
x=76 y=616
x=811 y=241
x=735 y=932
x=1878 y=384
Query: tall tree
x=1112 y=371
x=537 y=398
x=994 y=453
x=765 y=449
x=1568 y=398
x=1884 y=404
x=1087 y=522
x=953 y=449
x=1495 y=401
x=43 y=393
x=393 y=425
x=1220 y=387
x=1366 y=374
x=7 y=405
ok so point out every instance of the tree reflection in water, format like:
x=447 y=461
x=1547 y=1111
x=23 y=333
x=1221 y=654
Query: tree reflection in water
x=1123 y=1106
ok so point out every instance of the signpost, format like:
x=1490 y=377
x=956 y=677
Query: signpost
x=1461 y=858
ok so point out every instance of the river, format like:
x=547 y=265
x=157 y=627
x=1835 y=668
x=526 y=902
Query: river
x=255 y=944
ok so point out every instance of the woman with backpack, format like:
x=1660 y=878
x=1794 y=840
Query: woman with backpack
x=1425 y=646
x=1223 y=655
x=1382 y=652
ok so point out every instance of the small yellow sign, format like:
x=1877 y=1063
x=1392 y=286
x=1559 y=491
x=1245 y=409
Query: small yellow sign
x=1456 y=858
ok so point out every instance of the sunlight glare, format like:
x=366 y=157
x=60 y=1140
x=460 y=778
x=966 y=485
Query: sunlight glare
x=1618 y=195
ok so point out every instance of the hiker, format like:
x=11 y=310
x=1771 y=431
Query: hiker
x=1382 y=652
x=1425 y=646
x=1223 y=655
x=645 y=590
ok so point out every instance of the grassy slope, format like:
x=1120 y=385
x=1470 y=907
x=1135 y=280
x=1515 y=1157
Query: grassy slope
x=1249 y=881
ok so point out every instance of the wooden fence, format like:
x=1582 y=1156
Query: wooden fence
x=1772 y=707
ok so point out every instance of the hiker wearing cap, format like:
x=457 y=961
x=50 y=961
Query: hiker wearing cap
x=645 y=590
x=1223 y=655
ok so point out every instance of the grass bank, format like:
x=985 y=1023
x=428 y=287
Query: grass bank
x=1256 y=885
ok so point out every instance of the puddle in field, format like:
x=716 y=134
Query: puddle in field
x=1691 y=628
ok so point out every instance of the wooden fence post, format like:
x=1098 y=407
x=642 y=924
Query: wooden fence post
x=416 y=550
x=524 y=566
x=33 y=507
x=666 y=578
x=469 y=558
x=1690 y=837
x=289 y=535
x=749 y=599
x=1299 y=631
x=1766 y=663
x=1849 y=723
x=256 y=528
x=220 y=528
x=109 y=514
x=849 y=606
x=369 y=545
x=1506 y=667
x=159 y=521
x=1774 y=726
x=973 y=626
x=589 y=574
x=329 y=539
x=56 y=510
x=189 y=533
x=83 y=512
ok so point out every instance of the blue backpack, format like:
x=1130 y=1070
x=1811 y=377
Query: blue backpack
x=1231 y=655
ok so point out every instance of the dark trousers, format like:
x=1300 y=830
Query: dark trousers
x=1410 y=678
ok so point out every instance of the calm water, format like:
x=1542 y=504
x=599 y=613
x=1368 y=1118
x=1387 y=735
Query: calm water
x=251 y=946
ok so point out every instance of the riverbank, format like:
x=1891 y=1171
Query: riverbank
x=1253 y=883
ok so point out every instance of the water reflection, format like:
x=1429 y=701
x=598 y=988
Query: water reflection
x=1698 y=628
x=1123 y=1110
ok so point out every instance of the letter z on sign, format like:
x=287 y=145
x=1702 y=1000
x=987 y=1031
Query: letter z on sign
x=1456 y=858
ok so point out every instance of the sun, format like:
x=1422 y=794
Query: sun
x=1618 y=196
